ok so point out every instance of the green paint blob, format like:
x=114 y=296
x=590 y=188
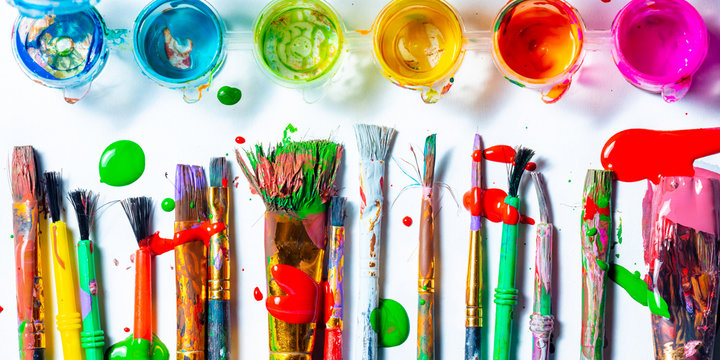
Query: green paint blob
x=289 y=128
x=122 y=163
x=12 y=236
x=168 y=204
x=603 y=202
x=131 y=349
x=229 y=95
x=619 y=232
x=192 y=204
x=422 y=301
x=391 y=322
x=636 y=288
x=591 y=232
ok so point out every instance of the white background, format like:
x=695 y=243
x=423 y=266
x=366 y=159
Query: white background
x=567 y=136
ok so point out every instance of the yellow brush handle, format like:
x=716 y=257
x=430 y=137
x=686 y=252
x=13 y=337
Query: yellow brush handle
x=68 y=318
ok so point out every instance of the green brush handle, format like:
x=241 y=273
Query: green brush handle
x=92 y=338
x=505 y=293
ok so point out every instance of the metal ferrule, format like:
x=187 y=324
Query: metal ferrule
x=219 y=253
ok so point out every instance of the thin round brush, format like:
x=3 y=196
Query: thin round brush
x=541 y=320
x=336 y=260
x=474 y=284
x=426 y=259
x=218 y=317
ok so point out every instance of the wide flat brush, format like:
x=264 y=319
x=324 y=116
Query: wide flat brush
x=474 y=285
x=426 y=259
x=218 y=318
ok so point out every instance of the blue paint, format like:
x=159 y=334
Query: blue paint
x=218 y=331
x=472 y=343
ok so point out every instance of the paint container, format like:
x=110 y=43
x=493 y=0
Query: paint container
x=42 y=8
x=63 y=52
x=538 y=44
x=419 y=45
x=680 y=232
x=179 y=44
x=659 y=44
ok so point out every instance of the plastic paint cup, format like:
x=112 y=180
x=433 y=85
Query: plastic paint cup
x=42 y=8
x=419 y=45
x=299 y=43
x=179 y=44
x=659 y=44
x=62 y=51
x=538 y=44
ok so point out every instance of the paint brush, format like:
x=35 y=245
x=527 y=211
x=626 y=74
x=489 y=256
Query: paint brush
x=218 y=336
x=92 y=338
x=68 y=318
x=28 y=273
x=596 y=237
x=295 y=181
x=336 y=276
x=542 y=320
x=373 y=144
x=190 y=263
x=474 y=284
x=426 y=259
x=506 y=293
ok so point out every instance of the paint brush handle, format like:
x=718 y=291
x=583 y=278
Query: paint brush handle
x=218 y=318
x=143 y=326
x=542 y=321
x=68 y=317
x=506 y=293
x=191 y=287
x=218 y=334
x=336 y=275
x=426 y=280
x=473 y=349
x=92 y=338
x=473 y=294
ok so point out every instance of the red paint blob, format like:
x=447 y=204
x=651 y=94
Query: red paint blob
x=639 y=154
x=491 y=204
x=258 y=294
x=527 y=220
x=591 y=209
x=477 y=155
x=203 y=232
x=127 y=329
x=407 y=221
x=240 y=140
x=531 y=166
x=300 y=305
x=1 y=309
x=243 y=269
x=500 y=153
x=224 y=182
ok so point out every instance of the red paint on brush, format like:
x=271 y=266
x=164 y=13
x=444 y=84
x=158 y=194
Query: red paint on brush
x=591 y=209
x=159 y=245
x=500 y=153
x=363 y=200
x=258 y=294
x=224 y=182
x=527 y=220
x=491 y=204
x=477 y=155
x=407 y=221
x=240 y=140
x=639 y=154
x=300 y=305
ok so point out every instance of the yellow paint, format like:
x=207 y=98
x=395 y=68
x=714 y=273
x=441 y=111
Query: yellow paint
x=68 y=318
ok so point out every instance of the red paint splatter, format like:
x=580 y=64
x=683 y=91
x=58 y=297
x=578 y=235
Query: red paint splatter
x=382 y=182
x=500 y=153
x=258 y=294
x=491 y=204
x=363 y=200
x=477 y=155
x=116 y=262
x=591 y=208
x=638 y=154
x=531 y=166
x=527 y=220
x=132 y=258
x=127 y=329
x=224 y=182
x=240 y=140
x=203 y=232
x=1 y=309
x=407 y=221
x=300 y=305
x=606 y=1
x=243 y=269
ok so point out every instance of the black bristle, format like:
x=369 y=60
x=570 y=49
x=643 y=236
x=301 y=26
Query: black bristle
x=139 y=212
x=84 y=202
x=53 y=190
x=218 y=171
x=337 y=211
x=522 y=158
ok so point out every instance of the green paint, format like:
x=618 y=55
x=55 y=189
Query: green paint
x=122 y=163
x=289 y=128
x=636 y=288
x=12 y=236
x=591 y=232
x=192 y=204
x=168 y=204
x=619 y=232
x=569 y=180
x=422 y=301
x=391 y=322
x=229 y=95
x=210 y=216
x=617 y=256
x=603 y=202
x=138 y=349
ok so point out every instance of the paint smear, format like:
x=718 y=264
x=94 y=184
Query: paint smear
x=300 y=304
x=121 y=163
x=289 y=128
x=407 y=221
x=391 y=322
x=168 y=204
x=636 y=288
x=1 y=309
x=491 y=204
x=203 y=232
x=619 y=232
x=257 y=294
x=132 y=349
x=228 y=95
x=638 y=154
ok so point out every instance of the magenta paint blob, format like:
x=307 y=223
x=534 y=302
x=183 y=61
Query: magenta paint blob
x=659 y=44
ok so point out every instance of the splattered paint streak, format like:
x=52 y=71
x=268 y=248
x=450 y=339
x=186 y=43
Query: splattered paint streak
x=336 y=277
x=218 y=336
x=542 y=320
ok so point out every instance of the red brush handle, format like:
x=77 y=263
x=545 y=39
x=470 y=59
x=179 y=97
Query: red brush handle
x=143 y=295
x=333 y=344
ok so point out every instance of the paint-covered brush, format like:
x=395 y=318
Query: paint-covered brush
x=336 y=276
x=218 y=334
x=28 y=269
x=596 y=238
x=373 y=144
x=506 y=293
x=542 y=320
x=474 y=284
x=190 y=263
x=92 y=338
x=68 y=319
x=426 y=259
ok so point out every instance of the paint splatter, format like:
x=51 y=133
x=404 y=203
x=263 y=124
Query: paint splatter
x=619 y=232
x=477 y=155
x=407 y=221
x=257 y=294
x=12 y=236
x=500 y=153
x=239 y=140
x=422 y=301
x=121 y=163
x=391 y=322
x=127 y=329
x=636 y=288
x=531 y=166
x=116 y=262
x=154 y=350
x=491 y=204
x=300 y=304
x=1 y=309
x=168 y=204
x=289 y=128
x=591 y=232
x=228 y=95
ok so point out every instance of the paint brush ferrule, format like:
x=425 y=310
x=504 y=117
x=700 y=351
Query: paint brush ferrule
x=473 y=286
x=426 y=286
x=219 y=253
x=191 y=287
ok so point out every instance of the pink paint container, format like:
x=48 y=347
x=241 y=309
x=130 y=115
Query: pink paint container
x=659 y=44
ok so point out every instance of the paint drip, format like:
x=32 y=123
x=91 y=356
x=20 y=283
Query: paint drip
x=257 y=294
x=301 y=302
x=133 y=349
x=490 y=203
x=121 y=163
x=636 y=288
x=391 y=322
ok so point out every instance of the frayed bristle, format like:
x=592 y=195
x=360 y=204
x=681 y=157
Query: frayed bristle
x=24 y=174
x=540 y=187
x=85 y=203
x=429 y=166
x=374 y=141
x=190 y=193
x=218 y=172
x=598 y=184
x=337 y=211
x=53 y=190
x=139 y=212
x=522 y=158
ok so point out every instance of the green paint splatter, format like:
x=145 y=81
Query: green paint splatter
x=138 y=349
x=168 y=204
x=617 y=256
x=12 y=236
x=422 y=301
x=619 y=232
x=569 y=180
x=636 y=288
x=210 y=216
x=391 y=322
x=424 y=287
x=603 y=202
x=289 y=128
x=591 y=232
x=229 y=95
x=122 y=163
x=192 y=204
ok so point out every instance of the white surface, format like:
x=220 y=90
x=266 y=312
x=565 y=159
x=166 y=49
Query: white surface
x=567 y=136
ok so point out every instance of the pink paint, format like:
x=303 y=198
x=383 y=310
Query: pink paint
x=659 y=44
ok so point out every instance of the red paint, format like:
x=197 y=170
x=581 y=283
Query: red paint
x=159 y=245
x=300 y=305
x=382 y=182
x=1 y=309
x=527 y=220
x=240 y=140
x=224 y=182
x=127 y=329
x=477 y=155
x=243 y=269
x=491 y=204
x=591 y=209
x=500 y=153
x=329 y=301
x=407 y=221
x=638 y=154
x=531 y=166
x=363 y=200
x=258 y=294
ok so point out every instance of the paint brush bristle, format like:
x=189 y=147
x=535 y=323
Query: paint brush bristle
x=139 y=213
x=218 y=172
x=190 y=193
x=598 y=179
x=374 y=141
x=337 y=211
x=522 y=158
x=85 y=203
x=24 y=174
x=429 y=171
x=53 y=190
x=539 y=180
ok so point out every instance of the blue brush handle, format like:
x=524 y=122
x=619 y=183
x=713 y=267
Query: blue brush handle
x=218 y=331
x=472 y=342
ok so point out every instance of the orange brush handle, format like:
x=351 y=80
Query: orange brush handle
x=143 y=295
